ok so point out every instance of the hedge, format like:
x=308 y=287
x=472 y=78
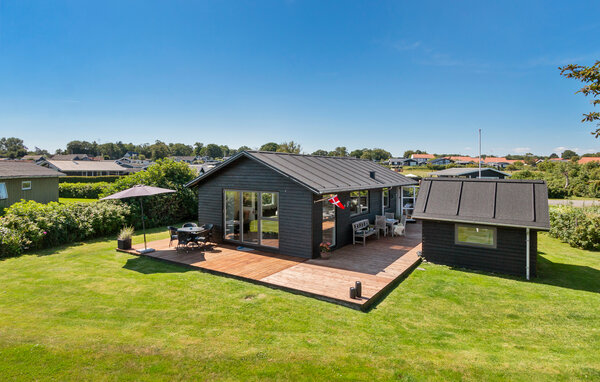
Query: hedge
x=82 y=190
x=90 y=179
x=28 y=224
x=577 y=226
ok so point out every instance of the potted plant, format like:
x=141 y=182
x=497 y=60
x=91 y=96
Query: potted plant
x=325 y=250
x=124 y=238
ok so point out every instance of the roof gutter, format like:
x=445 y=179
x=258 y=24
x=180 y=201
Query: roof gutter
x=482 y=223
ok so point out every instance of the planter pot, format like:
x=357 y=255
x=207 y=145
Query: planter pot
x=325 y=255
x=124 y=244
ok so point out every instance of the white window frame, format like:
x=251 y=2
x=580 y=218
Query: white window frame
x=479 y=245
x=260 y=217
x=3 y=191
x=25 y=188
x=360 y=206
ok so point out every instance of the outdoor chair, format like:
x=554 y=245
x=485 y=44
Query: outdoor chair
x=400 y=229
x=208 y=234
x=381 y=225
x=172 y=234
x=183 y=239
x=190 y=225
x=362 y=230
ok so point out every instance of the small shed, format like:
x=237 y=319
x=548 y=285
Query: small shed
x=483 y=224
x=27 y=181
x=278 y=202
x=470 y=172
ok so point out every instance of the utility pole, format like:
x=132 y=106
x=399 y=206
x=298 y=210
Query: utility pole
x=479 y=153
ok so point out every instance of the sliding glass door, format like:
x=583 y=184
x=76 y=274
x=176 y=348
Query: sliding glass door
x=252 y=217
x=328 y=221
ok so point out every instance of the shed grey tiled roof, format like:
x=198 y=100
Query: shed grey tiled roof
x=15 y=169
x=461 y=171
x=514 y=203
x=321 y=174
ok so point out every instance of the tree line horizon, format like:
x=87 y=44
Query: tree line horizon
x=14 y=148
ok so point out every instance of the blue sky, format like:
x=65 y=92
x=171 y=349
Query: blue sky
x=396 y=75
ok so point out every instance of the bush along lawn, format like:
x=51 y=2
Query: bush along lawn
x=578 y=226
x=86 y=312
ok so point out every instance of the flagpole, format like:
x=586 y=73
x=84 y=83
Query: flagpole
x=479 y=153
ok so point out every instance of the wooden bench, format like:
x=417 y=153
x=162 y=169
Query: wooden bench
x=362 y=230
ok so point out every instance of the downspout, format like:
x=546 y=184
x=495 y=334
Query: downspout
x=527 y=250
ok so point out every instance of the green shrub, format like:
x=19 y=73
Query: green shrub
x=90 y=179
x=11 y=242
x=161 y=209
x=45 y=225
x=82 y=190
x=579 y=227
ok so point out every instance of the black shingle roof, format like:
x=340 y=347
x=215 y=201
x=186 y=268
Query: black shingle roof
x=516 y=203
x=321 y=174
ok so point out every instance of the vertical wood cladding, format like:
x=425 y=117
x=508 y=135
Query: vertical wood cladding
x=43 y=190
x=295 y=204
x=508 y=257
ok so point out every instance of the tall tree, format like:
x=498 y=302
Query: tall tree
x=357 y=153
x=242 y=148
x=568 y=154
x=339 y=152
x=589 y=75
x=212 y=150
x=180 y=149
x=198 y=147
x=289 y=147
x=159 y=150
x=270 y=146
x=408 y=153
x=320 y=152
x=553 y=155
x=12 y=147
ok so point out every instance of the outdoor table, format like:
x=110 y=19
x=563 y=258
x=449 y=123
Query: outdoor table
x=391 y=223
x=193 y=232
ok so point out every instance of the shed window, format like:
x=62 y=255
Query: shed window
x=359 y=202
x=480 y=236
x=3 y=193
x=26 y=185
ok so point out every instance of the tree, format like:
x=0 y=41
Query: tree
x=408 y=153
x=289 y=147
x=198 y=148
x=568 y=154
x=339 y=152
x=591 y=77
x=242 y=148
x=320 y=152
x=180 y=149
x=159 y=150
x=212 y=151
x=12 y=148
x=553 y=155
x=357 y=153
x=38 y=151
x=271 y=146
x=225 y=151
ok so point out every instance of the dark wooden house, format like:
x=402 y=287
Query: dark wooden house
x=483 y=224
x=272 y=201
x=27 y=181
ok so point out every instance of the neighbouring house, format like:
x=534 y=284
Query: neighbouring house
x=28 y=181
x=70 y=157
x=401 y=162
x=463 y=160
x=498 y=162
x=440 y=161
x=584 y=160
x=201 y=168
x=187 y=159
x=88 y=167
x=135 y=164
x=483 y=224
x=34 y=158
x=278 y=201
x=470 y=172
x=422 y=158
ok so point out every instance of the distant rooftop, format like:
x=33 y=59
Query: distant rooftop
x=20 y=169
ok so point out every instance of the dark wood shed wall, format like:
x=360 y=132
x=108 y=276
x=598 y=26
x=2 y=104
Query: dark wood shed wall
x=295 y=203
x=43 y=190
x=508 y=256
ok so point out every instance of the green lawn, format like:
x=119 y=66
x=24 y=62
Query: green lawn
x=76 y=200
x=87 y=312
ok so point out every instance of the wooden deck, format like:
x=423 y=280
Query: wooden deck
x=378 y=266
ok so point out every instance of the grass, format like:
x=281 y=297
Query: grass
x=76 y=200
x=85 y=311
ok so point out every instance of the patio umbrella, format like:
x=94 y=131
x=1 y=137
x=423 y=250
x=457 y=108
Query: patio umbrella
x=140 y=190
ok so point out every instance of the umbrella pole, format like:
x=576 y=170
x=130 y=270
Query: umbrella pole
x=143 y=224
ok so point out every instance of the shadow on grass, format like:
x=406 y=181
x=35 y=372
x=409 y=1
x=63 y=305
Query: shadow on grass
x=150 y=266
x=578 y=277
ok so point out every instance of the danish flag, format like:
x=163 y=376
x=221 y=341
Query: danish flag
x=336 y=201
